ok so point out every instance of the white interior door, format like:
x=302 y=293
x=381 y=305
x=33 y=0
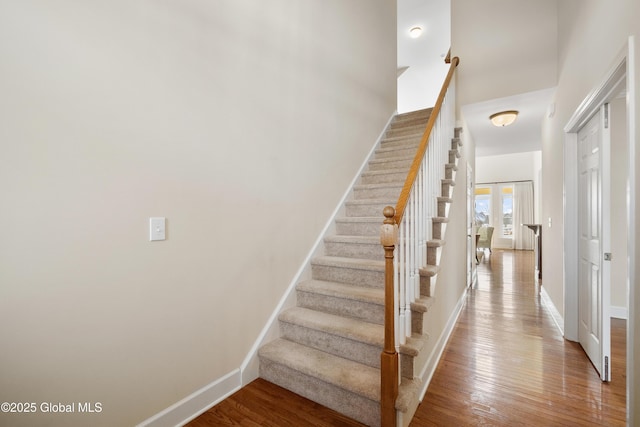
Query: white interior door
x=594 y=241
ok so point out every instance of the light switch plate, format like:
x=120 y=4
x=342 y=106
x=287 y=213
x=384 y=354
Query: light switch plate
x=157 y=227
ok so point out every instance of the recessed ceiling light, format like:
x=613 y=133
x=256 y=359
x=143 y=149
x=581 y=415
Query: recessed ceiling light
x=415 y=32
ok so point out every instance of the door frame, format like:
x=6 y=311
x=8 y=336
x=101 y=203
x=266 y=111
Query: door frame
x=603 y=93
x=625 y=68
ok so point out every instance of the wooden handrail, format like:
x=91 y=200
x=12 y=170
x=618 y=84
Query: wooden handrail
x=422 y=148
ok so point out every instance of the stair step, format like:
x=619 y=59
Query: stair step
x=344 y=299
x=414 y=115
x=384 y=176
x=369 y=207
x=415 y=129
x=348 y=387
x=391 y=163
x=400 y=141
x=360 y=226
x=404 y=150
x=428 y=276
x=377 y=191
x=349 y=338
x=367 y=247
x=356 y=271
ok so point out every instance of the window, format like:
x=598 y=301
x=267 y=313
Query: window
x=483 y=206
x=494 y=207
x=507 y=211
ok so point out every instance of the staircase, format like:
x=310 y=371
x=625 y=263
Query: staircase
x=330 y=344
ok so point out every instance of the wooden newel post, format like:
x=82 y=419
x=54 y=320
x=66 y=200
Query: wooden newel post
x=389 y=356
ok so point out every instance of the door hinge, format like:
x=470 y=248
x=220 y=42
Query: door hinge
x=607 y=256
x=606 y=368
x=606 y=116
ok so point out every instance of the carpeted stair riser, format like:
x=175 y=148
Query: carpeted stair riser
x=406 y=129
x=400 y=142
x=358 y=226
x=433 y=251
x=362 y=303
x=454 y=155
x=390 y=163
x=401 y=151
x=372 y=277
x=450 y=170
x=447 y=187
x=387 y=191
x=384 y=176
x=443 y=206
x=368 y=208
x=364 y=247
x=439 y=227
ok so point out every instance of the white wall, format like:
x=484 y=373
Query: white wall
x=242 y=122
x=419 y=86
x=487 y=36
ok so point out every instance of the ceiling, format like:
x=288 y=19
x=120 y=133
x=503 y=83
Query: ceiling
x=529 y=94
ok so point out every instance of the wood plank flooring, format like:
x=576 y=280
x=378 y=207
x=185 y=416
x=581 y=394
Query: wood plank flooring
x=506 y=364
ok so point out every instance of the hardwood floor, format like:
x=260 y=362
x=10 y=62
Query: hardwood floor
x=506 y=364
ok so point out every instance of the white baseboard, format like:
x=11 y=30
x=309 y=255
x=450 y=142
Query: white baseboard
x=619 y=312
x=431 y=365
x=196 y=403
x=555 y=314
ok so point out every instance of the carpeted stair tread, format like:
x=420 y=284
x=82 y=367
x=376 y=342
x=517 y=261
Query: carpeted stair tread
x=362 y=240
x=353 y=329
x=342 y=290
x=400 y=145
x=407 y=393
x=429 y=270
x=371 y=202
x=436 y=243
x=414 y=344
x=376 y=186
x=422 y=304
x=346 y=374
x=391 y=159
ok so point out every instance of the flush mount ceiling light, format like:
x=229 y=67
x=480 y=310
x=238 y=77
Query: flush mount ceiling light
x=503 y=118
x=415 y=32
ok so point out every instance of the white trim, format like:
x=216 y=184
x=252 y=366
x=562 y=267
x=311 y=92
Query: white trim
x=631 y=230
x=618 y=312
x=604 y=92
x=249 y=367
x=196 y=403
x=570 y=242
x=436 y=354
x=553 y=311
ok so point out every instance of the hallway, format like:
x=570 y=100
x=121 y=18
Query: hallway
x=506 y=364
